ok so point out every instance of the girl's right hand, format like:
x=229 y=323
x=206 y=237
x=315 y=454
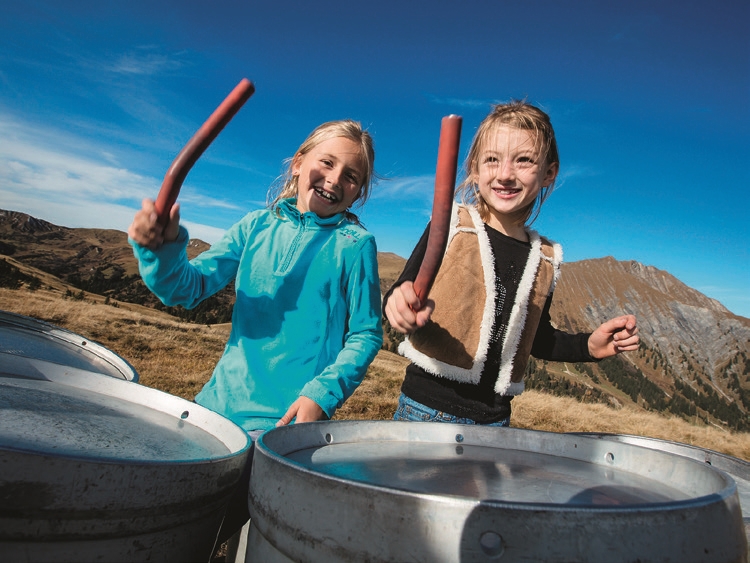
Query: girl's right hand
x=404 y=310
x=146 y=230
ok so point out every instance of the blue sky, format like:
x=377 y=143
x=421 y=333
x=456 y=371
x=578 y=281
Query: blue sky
x=650 y=101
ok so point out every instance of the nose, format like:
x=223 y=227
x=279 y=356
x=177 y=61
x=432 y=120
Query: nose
x=505 y=170
x=333 y=177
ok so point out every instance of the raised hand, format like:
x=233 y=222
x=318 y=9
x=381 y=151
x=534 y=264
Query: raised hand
x=614 y=336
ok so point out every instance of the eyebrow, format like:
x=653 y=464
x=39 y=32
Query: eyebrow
x=524 y=151
x=361 y=169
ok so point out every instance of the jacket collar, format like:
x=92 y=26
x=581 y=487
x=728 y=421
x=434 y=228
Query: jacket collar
x=287 y=209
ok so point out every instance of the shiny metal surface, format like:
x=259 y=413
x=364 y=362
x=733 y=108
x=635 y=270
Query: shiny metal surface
x=738 y=469
x=95 y=468
x=32 y=348
x=403 y=491
x=142 y=425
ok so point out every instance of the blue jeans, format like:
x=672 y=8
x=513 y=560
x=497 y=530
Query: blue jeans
x=409 y=409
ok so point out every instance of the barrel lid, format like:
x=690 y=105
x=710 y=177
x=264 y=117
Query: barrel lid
x=63 y=395
x=517 y=466
x=33 y=348
x=54 y=418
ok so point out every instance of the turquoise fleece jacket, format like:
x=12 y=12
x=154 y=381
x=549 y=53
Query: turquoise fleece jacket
x=306 y=320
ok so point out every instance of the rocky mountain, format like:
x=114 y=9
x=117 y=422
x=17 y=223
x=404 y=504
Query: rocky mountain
x=63 y=251
x=97 y=261
x=693 y=361
x=690 y=331
x=694 y=350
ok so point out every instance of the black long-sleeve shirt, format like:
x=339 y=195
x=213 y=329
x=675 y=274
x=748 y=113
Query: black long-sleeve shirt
x=480 y=402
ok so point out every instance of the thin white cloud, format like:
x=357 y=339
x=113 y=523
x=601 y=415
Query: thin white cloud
x=463 y=102
x=573 y=171
x=58 y=177
x=140 y=61
x=54 y=165
x=145 y=62
x=405 y=188
x=190 y=196
x=203 y=232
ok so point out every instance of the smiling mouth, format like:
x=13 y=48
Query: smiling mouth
x=506 y=191
x=326 y=195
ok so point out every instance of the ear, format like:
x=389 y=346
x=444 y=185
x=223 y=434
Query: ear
x=551 y=173
x=296 y=164
x=474 y=175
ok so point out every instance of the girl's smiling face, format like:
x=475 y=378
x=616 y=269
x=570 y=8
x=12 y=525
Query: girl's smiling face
x=509 y=174
x=329 y=177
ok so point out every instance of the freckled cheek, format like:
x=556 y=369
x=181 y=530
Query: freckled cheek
x=485 y=177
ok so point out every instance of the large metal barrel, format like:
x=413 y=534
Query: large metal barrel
x=738 y=469
x=404 y=491
x=30 y=347
x=94 y=467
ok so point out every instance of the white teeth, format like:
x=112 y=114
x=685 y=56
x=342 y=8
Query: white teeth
x=325 y=194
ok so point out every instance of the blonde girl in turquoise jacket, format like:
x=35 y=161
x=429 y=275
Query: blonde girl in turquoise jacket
x=306 y=321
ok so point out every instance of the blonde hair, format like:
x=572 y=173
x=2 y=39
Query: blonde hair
x=521 y=115
x=286 y=185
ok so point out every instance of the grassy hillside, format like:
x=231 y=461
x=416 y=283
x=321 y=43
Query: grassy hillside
x=179 y=357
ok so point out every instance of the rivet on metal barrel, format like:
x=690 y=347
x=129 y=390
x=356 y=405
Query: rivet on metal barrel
x=404 y=491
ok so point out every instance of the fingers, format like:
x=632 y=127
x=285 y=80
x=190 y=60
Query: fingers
x=142 y=229
x=172 y=230
x=304 y=410
x=624 y=327
x=629 y=322
x=618 y=323
x=146 y=230
x=626 y=339
x=614 y=336
x=308 y=410
x=289 y=416
x=405 y=311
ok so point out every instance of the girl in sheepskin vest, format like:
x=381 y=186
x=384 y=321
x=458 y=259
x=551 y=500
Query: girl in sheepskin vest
x=488 y=310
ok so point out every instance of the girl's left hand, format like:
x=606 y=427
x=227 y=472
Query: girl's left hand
x=614 y=336
x=306 y=410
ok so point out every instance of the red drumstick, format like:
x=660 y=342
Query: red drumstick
x=442 y=204
x=194 y=148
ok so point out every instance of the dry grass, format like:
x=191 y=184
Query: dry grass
x=169 y=355
x=540 y=411
x=377 y=397
x=179 y=357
